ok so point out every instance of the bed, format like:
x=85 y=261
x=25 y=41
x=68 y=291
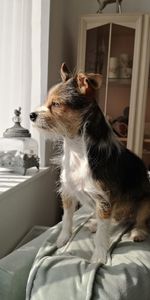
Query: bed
x=68 y=273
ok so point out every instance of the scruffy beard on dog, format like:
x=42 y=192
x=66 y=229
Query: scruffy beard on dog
x=96 y=169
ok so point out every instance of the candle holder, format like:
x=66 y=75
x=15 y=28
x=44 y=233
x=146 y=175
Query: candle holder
x=18 y=151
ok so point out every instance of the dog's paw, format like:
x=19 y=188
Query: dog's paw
x=138 y=235
x=99 y=256
x=63 y=238
x=92 y=225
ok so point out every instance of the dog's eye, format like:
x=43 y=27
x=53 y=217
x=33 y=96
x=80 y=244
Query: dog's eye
x=55 y=104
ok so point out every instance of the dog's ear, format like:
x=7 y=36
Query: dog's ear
x=89 y=82
x=64 y=72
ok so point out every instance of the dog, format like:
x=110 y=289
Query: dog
x=96 y=169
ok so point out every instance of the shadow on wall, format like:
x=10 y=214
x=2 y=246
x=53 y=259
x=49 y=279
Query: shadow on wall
x=51 y=152
x=69 y=52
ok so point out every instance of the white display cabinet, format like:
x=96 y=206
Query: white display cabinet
x=118 y=47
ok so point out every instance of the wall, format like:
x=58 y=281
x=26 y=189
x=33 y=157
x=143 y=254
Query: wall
x=30 y=203
x=56 y=40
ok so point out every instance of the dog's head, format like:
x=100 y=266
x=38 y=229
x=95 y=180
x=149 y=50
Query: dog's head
x=66 y=103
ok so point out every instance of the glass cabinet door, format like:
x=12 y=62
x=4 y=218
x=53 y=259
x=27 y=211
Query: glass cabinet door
x=118 y=80
x=96 y=56
x=110 y=45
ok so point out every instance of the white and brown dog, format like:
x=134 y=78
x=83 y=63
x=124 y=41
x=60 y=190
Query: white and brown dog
x=96 y=169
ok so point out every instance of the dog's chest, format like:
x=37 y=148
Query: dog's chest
x=76 y=176
x=75 y=172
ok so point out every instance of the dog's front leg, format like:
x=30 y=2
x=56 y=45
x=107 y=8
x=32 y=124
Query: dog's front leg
x=69 y=208
x=102 y=236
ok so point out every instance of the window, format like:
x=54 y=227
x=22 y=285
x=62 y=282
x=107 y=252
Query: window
x=24 y=38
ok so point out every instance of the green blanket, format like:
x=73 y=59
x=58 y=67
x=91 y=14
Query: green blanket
x=68 y=274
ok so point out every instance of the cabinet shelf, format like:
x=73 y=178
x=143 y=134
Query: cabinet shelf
x=122 y=139
x=147 y=140
x=119 y=81
x=146 y=152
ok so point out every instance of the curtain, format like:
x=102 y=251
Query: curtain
x=24 y=39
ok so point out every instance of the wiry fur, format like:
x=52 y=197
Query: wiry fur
x=96 y=169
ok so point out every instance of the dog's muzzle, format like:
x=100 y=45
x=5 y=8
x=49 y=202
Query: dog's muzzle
x=33 y=116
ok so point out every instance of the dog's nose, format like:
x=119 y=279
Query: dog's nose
x=33 y=116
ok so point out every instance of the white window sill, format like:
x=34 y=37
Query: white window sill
x=10 y=181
